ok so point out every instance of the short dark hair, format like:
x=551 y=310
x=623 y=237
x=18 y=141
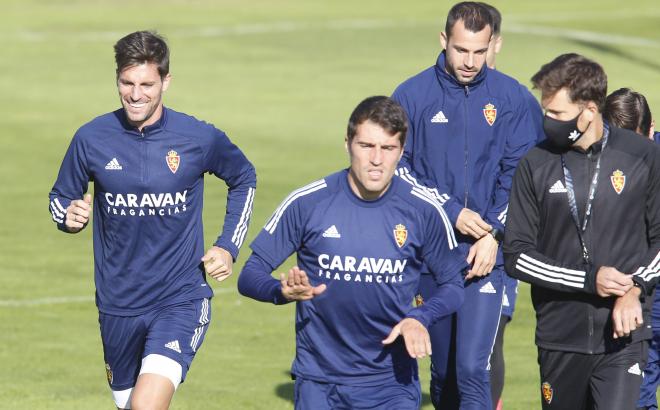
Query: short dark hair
x=142 y=47
x=474 y=15
x=584 y=79
x=495 y=16
x=380 y=110
x=625 y=108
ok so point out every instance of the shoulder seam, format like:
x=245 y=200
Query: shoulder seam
x=271 y=225
x=432 y=197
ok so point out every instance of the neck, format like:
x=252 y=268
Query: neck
x=592 y=135
x=361 y=191
x=149 y=121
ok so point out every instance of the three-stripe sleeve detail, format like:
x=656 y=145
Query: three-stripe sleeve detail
x=550 y=273
x=646 y=273
x=427 y=197
x=244 y=222
x=271 y=225
x=58 y=212
x=502 y=216
x=404 y=174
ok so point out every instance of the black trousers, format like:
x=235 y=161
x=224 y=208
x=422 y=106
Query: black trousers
x=607 y=381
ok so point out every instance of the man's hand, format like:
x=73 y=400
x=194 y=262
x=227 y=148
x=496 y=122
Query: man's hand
x=415 y=335
x=611 y=282
x=218 y=263
x=482 y=257
x=296 y=286
x=470 y=223
x=627 y=313
x=77 y=214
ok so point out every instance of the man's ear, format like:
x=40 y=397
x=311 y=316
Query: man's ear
x=443 y=40
x=166 y=81
x=497 y=46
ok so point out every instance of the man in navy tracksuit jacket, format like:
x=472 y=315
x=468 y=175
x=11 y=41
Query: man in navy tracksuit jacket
x=469 y=126
x=147 y=163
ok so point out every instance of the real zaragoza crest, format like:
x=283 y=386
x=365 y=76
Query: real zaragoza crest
x=419 y=300
x=400 y=235
x=490 y=112
x=618 y=181
x=546 y=389
x=173 y=161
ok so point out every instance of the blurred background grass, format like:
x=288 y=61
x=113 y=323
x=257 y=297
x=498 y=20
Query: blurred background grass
x=281 y=78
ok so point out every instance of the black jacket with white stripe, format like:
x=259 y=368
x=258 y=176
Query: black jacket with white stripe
x=542 y=246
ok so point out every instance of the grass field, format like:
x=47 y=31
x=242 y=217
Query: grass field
x=281 y=79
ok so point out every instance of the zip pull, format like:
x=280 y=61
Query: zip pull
x=467 y=91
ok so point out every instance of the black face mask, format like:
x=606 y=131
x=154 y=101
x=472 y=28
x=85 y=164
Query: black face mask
x=562 y=134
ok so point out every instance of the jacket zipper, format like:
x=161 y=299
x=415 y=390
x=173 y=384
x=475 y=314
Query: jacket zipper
x=584 y=236
x=143 y=162
x=465 y=175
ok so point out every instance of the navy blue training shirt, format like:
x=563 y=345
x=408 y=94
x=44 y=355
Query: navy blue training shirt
x=369 y=254
x=147 y=208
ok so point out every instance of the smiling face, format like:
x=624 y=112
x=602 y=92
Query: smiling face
x=465 y=51
x=140 y=91
x=374 y=156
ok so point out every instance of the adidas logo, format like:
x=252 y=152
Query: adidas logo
x=174 y=345
x=331 y=232
x=557 y=188
x=439 y=117
x=487 y=288
x=113 y=164
x=634 y=369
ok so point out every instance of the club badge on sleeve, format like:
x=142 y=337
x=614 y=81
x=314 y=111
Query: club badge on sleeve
x=400 y=235
x=618 y=181
x=490 y=113
x=173 y=160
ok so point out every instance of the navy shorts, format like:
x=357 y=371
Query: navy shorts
x=311 y=395
x=174 y=331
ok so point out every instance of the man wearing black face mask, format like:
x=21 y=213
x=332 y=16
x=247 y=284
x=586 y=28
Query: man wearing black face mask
x=584 y=230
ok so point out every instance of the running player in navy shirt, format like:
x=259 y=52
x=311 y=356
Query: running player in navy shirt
x=361 y=237
x=148 y=164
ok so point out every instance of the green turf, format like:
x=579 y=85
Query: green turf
x=281 y=78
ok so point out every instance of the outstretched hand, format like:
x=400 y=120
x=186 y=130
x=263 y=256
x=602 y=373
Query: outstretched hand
x=296 y=286
x=415 y=336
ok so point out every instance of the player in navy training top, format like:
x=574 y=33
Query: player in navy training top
x=469 y=127
x=361 y=237
x=147 y=163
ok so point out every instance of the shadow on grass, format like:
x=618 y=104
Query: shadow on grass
x=618 y=52
x=285 y=391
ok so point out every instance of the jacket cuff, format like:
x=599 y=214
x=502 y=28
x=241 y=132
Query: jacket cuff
x=640 y=283
x=420 y=315
x=452 y=207
x=590 y=278
x=228 y=246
